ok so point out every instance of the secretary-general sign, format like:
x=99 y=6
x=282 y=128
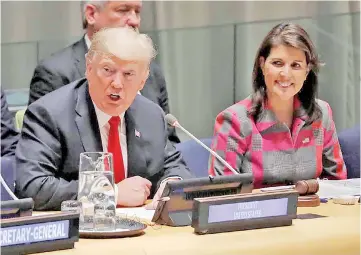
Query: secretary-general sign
x=32 y=233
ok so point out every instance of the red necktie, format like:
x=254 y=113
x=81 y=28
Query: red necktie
x=114 y=147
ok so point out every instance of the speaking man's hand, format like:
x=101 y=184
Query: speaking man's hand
x=133 y=191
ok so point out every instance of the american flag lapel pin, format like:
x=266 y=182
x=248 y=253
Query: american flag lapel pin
x=136 y=133
x=306 y=140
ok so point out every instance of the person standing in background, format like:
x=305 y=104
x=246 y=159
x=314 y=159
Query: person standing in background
x=68 y=64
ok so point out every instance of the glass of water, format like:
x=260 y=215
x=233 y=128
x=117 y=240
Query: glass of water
x=96 y=191
x=71 y=206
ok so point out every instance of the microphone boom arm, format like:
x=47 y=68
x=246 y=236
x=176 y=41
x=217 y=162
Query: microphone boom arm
x=176 y=124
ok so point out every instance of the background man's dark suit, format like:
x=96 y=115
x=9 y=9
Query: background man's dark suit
x=68 y=65
x=9 y=135
x=62 y=124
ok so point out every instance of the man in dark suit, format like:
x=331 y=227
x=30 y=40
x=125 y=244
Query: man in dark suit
x=9 y=135
x=68 y=65
x=102 y=112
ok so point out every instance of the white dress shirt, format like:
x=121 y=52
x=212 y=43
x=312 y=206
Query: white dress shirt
x=87 y=41
x=104 y=127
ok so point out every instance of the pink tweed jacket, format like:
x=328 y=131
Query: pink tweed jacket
x=273 y=152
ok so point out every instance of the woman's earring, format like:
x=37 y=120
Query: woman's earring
x=263 y=88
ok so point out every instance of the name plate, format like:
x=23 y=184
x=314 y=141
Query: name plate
x=244 y=211
x=32 y=234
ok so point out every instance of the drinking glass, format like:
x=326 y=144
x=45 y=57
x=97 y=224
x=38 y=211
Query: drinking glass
x=96 y=191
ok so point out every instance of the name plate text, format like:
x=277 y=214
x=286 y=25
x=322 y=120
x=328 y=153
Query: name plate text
x=32 y=233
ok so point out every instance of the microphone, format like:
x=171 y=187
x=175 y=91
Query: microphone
x=174 y=122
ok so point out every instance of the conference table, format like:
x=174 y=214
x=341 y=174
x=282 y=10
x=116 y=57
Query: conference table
x=336 y=233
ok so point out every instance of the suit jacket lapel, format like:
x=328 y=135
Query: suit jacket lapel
x=137 y=163
x=80 y=49
x=86 y=121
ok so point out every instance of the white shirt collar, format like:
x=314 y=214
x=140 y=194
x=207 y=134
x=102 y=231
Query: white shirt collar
x=87 y=41
x=103 y=118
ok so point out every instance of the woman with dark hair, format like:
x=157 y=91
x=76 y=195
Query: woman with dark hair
x=281 y=133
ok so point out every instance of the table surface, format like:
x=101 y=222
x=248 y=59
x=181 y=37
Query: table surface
x=338 y=233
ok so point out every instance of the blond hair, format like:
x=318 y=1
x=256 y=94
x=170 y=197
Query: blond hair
x=124 y=43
